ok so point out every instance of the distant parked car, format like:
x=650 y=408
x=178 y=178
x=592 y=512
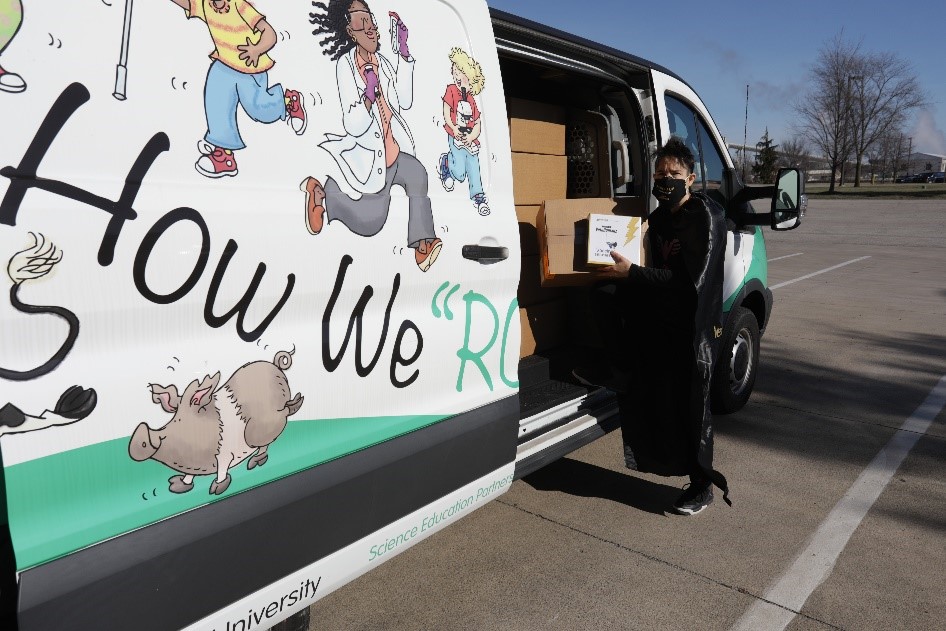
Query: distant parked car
x=923 y=178
x=901 y=179
x=939 y=177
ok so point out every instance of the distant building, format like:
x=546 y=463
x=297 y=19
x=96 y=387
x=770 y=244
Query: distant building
x=819 y=170
x=920 y=162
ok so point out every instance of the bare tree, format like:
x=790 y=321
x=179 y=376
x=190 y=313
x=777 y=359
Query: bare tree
x=884 y=91
x=825 y=111
x=886 y=153
x=795 y=153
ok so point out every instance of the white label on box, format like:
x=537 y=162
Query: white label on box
x=613 y=232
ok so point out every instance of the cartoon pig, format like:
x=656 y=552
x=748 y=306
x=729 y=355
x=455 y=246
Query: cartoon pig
x=214 y=430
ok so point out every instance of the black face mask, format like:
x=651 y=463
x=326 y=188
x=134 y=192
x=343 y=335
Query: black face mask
x=669 y=191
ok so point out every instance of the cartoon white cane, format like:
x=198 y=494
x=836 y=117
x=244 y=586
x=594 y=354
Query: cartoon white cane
x=121 y=73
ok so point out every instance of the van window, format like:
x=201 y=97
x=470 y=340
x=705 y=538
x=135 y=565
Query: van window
x=713 y=165
x=682 y=122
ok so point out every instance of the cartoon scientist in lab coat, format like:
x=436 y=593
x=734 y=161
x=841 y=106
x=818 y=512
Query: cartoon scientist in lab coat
x=377 y=151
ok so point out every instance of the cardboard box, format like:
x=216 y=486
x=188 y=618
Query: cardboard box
x=543 y=326
x=531 y=291
x=563 y=240
x=536 y=127
x=607 y=233
x=536 y=178
x=528 y=217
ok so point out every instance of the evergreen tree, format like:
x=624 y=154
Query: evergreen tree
x=766 y=160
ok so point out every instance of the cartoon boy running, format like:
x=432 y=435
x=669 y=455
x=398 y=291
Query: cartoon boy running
x=238 y=75
x=463 y=126
x=11 y=17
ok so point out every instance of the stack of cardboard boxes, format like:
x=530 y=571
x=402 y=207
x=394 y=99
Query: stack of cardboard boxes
x=553 y=229
x=540 y=170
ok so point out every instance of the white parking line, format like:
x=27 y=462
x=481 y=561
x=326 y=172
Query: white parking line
x=787 y=256
x=812 y=566
x=824 y=271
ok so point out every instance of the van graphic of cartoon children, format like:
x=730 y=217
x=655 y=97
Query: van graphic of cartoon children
x=238 y=75
x=376 y=151
x=11 y=17
x=464 y=126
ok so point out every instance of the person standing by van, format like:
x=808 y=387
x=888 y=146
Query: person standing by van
x=677 y=304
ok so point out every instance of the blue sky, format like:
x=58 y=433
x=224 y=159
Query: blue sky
x=719 y=47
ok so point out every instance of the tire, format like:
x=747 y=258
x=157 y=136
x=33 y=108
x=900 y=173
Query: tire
x=737 y=363
x=296 y=622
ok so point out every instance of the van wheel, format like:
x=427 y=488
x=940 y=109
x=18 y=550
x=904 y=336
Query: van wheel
x=737 y=363
x=296 y=622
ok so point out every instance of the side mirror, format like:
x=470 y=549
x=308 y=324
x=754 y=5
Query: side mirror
x=789 y=201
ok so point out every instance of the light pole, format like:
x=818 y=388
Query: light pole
x=910 y=158
x=745 y=136
x=896 y=160
x=859 y=121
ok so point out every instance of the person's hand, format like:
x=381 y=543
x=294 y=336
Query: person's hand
x=250 y=53
x=371 y=84
x=402 y=48
x=620 y=269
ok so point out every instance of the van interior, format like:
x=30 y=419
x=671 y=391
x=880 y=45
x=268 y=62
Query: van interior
x=568 y=131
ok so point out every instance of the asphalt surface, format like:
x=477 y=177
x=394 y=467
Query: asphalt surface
x=850 y=354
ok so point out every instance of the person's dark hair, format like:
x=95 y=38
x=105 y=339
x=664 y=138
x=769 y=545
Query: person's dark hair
x=332 y=20
x=677 y=150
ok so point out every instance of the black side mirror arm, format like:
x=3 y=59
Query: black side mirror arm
x=739 y=205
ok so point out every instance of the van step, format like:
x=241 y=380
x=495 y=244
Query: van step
x=556 y=431
x=533 y=370
x=547 y=394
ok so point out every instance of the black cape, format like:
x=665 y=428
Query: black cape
x=674 y=315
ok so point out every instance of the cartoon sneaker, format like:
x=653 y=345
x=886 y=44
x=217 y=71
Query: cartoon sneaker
x=295 y=108
x=218 y=163
x=480 y=201
x=204 y=147
x=445 y=178
x=11 y=82
x=314 y=204
x=426 y=252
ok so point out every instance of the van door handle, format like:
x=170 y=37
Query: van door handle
x=485 y=254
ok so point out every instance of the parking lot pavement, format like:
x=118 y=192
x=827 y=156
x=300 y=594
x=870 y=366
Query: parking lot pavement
x=849 y=356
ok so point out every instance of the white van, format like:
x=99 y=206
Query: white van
x=282 y=296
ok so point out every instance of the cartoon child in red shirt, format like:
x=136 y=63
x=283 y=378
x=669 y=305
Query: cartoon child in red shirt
x=464 y=126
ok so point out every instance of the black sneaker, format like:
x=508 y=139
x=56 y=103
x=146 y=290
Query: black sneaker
x=693 y=499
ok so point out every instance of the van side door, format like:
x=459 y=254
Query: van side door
x=279 y=258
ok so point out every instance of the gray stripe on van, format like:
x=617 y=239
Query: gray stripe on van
x=180 y=570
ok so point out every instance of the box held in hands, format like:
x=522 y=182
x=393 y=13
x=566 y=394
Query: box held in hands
x=562 y=227
x=607 y=233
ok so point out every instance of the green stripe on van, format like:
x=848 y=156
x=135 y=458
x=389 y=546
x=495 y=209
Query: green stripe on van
x=759 y=265
x=758 y=268
x=67 y=501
